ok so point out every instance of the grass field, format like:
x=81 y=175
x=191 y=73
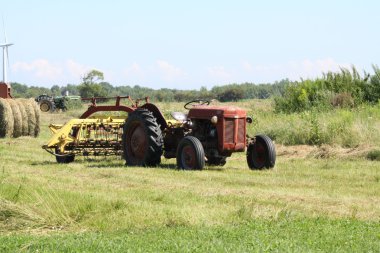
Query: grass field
x=305 y=204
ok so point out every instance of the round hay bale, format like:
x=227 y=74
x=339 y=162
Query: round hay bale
x=31 y=116
x=24 y=117
x=6 y=119
x=17 y=118
x=37 y=112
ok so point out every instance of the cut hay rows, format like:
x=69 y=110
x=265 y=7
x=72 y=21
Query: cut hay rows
x=31 y=116
x=17 y=118
x=37 y=113
x=24 y=117
x=6 y=119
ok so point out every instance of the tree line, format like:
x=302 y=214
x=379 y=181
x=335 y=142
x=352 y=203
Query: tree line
x=93 y=85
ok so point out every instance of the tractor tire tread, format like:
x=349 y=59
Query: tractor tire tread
x=154 y=137
x=270 y=158
x=199 y=152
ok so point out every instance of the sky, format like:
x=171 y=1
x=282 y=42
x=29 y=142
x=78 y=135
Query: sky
x=187 y=44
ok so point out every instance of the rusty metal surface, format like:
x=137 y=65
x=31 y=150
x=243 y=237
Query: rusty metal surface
x=5 y=90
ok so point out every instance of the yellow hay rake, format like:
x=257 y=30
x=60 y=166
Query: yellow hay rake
x=92 y=136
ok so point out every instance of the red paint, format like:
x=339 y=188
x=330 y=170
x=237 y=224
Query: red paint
x=231 y=121
x=93 y=108
x=5 y=90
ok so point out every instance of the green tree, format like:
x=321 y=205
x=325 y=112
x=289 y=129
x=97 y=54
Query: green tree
x=55 y=90
x=18 y=90
x=89 y=87
x=93 y=76
x=231 y=94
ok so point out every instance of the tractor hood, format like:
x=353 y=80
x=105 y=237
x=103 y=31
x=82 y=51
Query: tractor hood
x=206 y=112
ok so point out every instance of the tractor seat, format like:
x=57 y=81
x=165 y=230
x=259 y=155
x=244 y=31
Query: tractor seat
x=179 y=116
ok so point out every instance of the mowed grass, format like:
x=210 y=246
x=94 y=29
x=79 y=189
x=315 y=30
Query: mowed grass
x=328 y=205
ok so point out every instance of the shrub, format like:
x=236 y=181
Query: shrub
x=73 y=104
x=349 y=87
x=343 y=100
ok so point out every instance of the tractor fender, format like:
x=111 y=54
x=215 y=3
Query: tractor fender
x=157 y=114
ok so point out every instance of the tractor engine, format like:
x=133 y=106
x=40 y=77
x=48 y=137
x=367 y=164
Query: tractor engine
x=220 y=129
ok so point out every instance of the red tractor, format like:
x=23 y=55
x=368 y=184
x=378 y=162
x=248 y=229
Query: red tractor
x=206 y=135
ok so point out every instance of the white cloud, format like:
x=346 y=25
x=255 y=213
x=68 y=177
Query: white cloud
x=40 y=68
x=247 y=66
x=42 y=71
x=76 y=70
x=219 y=74
x=170 y=72
x=134 y=70
x=293 y=69
x=312 y=68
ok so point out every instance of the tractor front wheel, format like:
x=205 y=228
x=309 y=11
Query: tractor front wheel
x=261 y=153
x=46 y=106
x=190 y=154
x=142 y=139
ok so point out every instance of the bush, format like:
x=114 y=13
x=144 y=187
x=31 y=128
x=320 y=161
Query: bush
x=72 y=104
x=343 y=100
x=343 y=89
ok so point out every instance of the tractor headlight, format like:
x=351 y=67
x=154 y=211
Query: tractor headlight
x=214 y=120
x=190 y=124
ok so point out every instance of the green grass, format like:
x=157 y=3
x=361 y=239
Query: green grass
x=284 y=234
x=100 y=205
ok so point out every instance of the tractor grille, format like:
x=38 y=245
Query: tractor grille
x=229 y=130
x=241 y=131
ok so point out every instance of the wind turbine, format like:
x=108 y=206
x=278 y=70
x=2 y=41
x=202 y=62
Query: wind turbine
x=5 y=55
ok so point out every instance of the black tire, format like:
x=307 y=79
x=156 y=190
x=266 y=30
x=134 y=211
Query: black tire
x=261 y=154
x=46 y=105
x=65 y=159
x=190 y=154
x=216 y=161
x=142 y=139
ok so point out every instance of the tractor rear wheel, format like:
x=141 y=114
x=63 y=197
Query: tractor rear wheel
x=46 y=105
x=190 y=154
x=261 y=153
x=142 y=139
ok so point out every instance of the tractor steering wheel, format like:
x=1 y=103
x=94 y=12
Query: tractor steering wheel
x=196 y=102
